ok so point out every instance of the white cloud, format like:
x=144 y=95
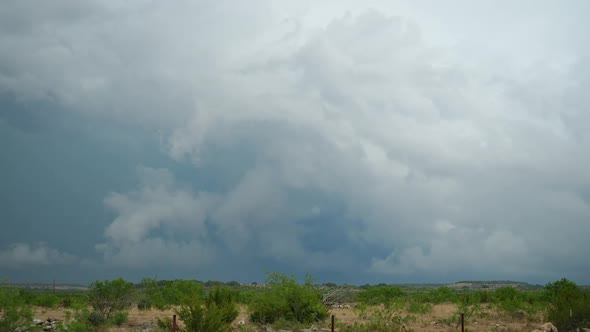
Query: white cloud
x=159 y=208
x=436 y=150
x=24 y=255
x=364 y=110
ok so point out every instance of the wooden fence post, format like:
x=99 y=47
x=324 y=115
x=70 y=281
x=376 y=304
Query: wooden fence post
x=462 y=323
x=332 y=323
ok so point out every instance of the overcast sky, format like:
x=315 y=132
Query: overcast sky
x=358 y=141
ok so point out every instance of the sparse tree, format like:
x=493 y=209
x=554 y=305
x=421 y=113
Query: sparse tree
x=108 y=297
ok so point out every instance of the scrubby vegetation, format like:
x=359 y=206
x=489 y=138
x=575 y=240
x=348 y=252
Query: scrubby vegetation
x=286 y=304
x=287 y=300
x=14 y=311
x=109 y=298
x=569 y=305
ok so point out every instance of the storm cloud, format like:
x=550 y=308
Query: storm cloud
x=218 y=139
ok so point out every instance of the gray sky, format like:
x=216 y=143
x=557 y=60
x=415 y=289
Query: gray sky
x=359 y=141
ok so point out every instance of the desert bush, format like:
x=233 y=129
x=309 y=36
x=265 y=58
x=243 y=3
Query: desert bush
x=508 y=302
x=288 y=300
x=80 y=321
x=380 y=294
x=245 y=296
x=225 y=300
x=120 y=318
x=164 y=324
x=26 y=296
x=67 y=301
x=14 y=312
x=97 y=318
x=439 y=295
x=483 y=296
x=416 y=307
x=107 y=298
x=570 y=305
x=165 y=294
x=71 y=300
x=47 y=301
x=505 y=294
x=469 y=306
x=199 y=317
x=514 y=303
x=214 y=313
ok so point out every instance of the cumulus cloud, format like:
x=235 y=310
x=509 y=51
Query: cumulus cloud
x=24 y=255
x=439 y=163
x=158 y=225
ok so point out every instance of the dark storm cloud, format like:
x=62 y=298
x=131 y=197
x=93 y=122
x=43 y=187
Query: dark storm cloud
x=358 y=144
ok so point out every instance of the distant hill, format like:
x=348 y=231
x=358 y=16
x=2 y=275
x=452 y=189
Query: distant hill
x=483 y=285
x=49 y=287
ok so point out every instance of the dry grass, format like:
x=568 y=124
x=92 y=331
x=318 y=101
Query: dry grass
x=434 y=321
x=439 y=320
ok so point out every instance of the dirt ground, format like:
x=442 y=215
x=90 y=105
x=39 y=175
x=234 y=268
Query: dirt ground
x=434 y=321
x=138 y=319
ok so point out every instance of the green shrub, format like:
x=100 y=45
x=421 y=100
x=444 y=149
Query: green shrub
x=120 y=318
x=518 y=304
x=97 y=318
x=71 y=300
x=419 y=307
x=225 y=300
x=14 y=312
x=67 y=302
x=212 y=313
x=198 y=317
x=288 y=300
x=570 y=305
x=380 y=294
x=164 y=324
x=245 y=296
x=441 y=295
x=108 y=298
x=26 y=296
x=483 y=296
x=165 y=294
x=81 y=321
x=469 y=306
x=505 y=294
x=47 y=301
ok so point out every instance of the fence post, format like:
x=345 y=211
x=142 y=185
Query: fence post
x=174 y=326
x=332 y=323
x=462 y=323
